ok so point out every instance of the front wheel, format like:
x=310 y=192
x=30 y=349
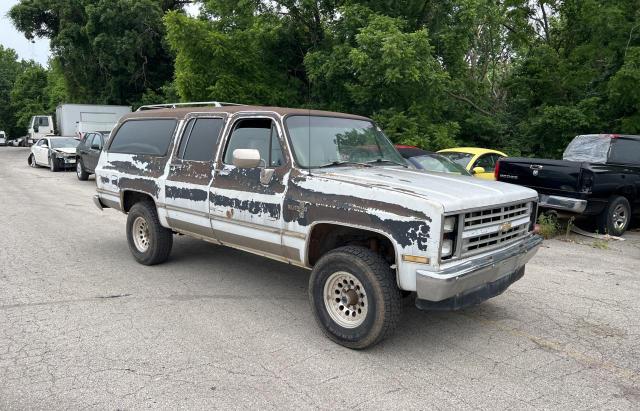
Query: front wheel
x=615 y=218
x=32 y=161
x=82 y=175
x=53 y=164
x=354 y=297
x=149 y=242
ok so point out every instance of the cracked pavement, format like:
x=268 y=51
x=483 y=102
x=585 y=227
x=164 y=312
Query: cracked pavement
x=82 y=325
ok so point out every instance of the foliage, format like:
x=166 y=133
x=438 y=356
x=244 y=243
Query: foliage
x=548 y=225
x=110 y=51
x=10 y=67
x=524 y=76
x=28 y=95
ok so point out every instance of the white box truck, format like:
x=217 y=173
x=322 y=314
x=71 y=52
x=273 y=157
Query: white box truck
x=74 y=120
x=39 y=127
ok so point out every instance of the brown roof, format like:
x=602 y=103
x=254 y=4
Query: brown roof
x=181 y=112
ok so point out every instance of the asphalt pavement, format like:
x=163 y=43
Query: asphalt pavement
x=82 y=325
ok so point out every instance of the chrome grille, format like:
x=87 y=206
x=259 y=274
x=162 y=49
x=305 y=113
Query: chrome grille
x=494 y=227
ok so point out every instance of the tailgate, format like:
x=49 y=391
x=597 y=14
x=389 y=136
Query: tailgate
x=544 y=176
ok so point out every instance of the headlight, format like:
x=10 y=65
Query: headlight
x=449 y=236
x=449 y=224
x=447 y=248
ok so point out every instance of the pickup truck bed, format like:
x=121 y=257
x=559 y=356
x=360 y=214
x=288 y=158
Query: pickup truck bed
x=576 y=185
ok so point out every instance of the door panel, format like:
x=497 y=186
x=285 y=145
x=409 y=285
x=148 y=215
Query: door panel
x=246 y=208
x=190 y=175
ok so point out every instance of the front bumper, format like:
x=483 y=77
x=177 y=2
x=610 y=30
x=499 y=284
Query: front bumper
x=98 y=202
x=478 y=276
x=572 y=205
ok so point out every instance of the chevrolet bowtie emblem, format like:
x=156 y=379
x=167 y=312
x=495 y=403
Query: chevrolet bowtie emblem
x=505 y=227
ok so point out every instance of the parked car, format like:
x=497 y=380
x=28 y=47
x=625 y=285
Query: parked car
x=88 y=153
x=599 y=176
x=480 y=162
x=429 y=161
x=3 y=139
x=320 y=190
x=57 y=153
x=18 y=142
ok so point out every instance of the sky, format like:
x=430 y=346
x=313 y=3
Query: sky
x=11 y=38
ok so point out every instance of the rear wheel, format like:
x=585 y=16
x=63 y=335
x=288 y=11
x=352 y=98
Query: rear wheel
x=149 y=242
x=615 y=218
x=82 y=175
x=354 y=297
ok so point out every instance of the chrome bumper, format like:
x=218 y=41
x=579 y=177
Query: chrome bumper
x=572 y=205
x=474 y=274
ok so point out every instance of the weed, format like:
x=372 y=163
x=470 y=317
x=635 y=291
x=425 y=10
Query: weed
x=549 y=226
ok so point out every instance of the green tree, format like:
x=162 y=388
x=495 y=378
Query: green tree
x=110 y=51
x=29 y=95
x=10 y=68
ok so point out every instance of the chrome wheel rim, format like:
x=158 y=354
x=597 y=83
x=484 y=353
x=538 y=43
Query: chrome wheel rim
x=620 y=217
x=78 y=169
x=345 y=299
x=140 y=231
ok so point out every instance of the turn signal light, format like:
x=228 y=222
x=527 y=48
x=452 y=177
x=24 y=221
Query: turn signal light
x=415 y=259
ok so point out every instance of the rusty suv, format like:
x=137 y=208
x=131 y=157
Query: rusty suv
x=320 y=190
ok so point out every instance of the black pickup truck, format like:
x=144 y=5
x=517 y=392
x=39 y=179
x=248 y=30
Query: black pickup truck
x=599 y=176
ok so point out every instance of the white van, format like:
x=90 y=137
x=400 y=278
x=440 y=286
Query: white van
x=3 y=138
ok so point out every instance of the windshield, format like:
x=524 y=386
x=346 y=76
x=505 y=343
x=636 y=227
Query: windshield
x=439 y=164
x=458 y=158
x=64 y=142
x=339 y=140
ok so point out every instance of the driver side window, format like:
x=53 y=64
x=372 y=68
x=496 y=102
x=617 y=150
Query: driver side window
x=259 y=134
x=488 y=162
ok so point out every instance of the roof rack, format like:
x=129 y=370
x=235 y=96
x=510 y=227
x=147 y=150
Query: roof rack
x=191 y=104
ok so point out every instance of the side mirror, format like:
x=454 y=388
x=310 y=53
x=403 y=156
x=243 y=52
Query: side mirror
x=95 y=146
x=35 y=128
x=246 y=158
x=478 y=170
x=44 y=145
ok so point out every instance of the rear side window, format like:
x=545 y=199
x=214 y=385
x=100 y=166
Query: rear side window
x=150 y=137
x=625 y=151
x=200 y=139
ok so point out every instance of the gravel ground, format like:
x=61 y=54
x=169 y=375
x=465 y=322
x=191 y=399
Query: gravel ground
x=83 y=325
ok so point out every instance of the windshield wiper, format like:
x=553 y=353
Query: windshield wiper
x=340 y=163
x=384 y=160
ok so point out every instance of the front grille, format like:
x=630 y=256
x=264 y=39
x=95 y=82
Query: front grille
x=494 y=227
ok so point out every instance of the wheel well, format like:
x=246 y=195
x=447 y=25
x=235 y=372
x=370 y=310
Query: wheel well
x=326 y=237
x=129 y=198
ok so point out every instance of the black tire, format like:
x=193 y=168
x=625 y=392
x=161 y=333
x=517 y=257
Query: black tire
x=610 y=218
x=32 y=161
x=53 y=165
x=160 y=239
x=382 y=295
x=80 y=171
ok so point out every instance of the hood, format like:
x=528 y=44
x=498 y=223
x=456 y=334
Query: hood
x=453 y=192
x=66 y=150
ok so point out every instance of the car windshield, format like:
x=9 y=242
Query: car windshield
x=458 y=158
x=439 y=164
x=64 y=142
x=335 y=141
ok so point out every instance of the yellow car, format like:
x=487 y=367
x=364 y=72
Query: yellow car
x=480 y=162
